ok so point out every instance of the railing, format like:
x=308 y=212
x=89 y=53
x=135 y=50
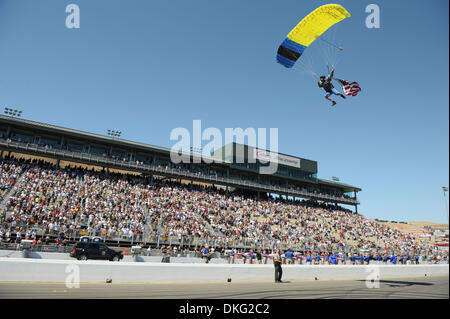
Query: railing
x=51 y=248
x=71 y=234
x=54 y=248
x=158 y=240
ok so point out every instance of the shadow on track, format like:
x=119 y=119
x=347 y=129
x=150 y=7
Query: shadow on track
x=399 y=283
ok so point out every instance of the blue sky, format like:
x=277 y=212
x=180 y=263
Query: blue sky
x=147 y=67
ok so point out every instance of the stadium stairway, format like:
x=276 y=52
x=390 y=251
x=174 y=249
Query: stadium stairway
x=4 y=201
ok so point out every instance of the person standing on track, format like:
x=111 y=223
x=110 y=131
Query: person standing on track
x=277 y=264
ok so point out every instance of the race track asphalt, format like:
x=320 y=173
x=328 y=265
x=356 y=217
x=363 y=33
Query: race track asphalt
x=392 y=288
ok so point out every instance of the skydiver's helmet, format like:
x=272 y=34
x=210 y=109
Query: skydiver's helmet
x=322 y=78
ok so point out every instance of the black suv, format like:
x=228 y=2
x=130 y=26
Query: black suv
x=89 y=250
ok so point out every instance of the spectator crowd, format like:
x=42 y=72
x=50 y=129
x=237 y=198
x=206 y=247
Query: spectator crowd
x=111 y=205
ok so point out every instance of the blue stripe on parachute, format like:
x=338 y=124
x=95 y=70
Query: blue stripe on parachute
x=293 y=46
x=284 y=61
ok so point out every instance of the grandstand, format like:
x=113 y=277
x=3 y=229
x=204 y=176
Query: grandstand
x=59 y=184
x=67 y=145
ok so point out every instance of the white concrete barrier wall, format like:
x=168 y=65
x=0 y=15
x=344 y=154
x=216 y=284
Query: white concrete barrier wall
x=52 y=270
x=66 y=256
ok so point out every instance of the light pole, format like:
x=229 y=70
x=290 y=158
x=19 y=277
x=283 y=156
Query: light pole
x=13 y=112
x=114 y=133
x=445 y=189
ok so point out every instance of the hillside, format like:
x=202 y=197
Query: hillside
x=413 y=227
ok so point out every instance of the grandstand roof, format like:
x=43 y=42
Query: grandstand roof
x=101 y=138
x=348 y=187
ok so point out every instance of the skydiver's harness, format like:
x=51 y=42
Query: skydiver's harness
x=327 y=86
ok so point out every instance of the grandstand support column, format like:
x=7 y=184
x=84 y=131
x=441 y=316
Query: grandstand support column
x=356 y=205
x=57 y=163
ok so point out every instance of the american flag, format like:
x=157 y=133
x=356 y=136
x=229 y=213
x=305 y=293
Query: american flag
x=350 y=88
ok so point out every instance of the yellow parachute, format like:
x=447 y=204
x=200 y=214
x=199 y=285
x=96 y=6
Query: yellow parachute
x=308 y=30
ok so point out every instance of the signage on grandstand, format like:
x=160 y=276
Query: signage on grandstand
x=439 y=233
x=422 y=234
x=267 y=156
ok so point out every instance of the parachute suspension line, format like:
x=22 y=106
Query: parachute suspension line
x=329 y=51
x=323 y=51
x=335 y=54
x=327 y=58
x=342 y=30
x=326 y=52
x=337 y=59
x=311 y=67
x=306 y=64
x=332 y=50
x=339 y=48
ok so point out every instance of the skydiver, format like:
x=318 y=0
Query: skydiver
x=325 y=83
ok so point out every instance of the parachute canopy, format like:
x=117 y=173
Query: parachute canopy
x=308 y=30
